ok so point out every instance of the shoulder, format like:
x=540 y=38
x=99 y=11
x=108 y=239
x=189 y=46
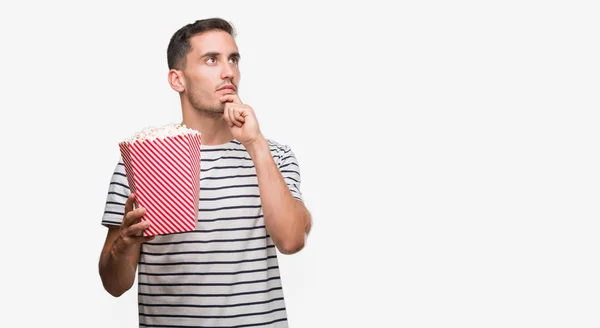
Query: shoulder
x=277 y=146
x=282 y=153
x=119 y=172
x=279 y=149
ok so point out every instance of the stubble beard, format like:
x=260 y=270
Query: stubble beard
x=209 y=110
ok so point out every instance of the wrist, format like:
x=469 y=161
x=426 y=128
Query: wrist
x=257 y=146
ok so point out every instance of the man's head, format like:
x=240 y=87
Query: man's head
x=203 y=63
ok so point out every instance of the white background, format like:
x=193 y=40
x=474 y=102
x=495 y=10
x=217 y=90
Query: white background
x=448 y=150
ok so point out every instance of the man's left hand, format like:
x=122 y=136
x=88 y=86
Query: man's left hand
x=241 y=119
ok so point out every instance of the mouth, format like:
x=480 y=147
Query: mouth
x=227 y=88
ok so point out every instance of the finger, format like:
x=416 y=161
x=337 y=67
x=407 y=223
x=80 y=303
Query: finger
x=227 y=117
x=133 y=216
x=239 y=115
x=129 y=203
x=138 y=240
x=231 y=98
x=233 y=116
x=236 y=117
x=136 y=229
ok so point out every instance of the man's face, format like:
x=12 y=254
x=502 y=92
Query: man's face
x=211 y=70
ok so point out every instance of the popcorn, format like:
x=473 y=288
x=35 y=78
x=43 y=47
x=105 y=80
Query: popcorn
x=152 y=133
x=163 y=170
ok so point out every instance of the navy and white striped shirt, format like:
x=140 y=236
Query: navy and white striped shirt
x=224 y=274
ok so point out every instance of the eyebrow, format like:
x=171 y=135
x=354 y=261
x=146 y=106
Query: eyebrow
x=216 y=54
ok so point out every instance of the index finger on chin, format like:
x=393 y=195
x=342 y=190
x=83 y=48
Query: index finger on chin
x=233 y=98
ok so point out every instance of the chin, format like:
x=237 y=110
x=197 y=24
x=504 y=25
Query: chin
x=212 y=111
x=217 y=107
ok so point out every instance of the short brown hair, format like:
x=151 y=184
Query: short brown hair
x=179 y=46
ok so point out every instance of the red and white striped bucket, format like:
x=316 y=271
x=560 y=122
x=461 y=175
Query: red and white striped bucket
x=164 y=173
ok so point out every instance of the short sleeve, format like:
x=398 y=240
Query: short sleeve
x=118 y=191
x=288 y=166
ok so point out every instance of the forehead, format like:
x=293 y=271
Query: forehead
x=213 y=41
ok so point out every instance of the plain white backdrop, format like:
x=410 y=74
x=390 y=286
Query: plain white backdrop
x=448 y=150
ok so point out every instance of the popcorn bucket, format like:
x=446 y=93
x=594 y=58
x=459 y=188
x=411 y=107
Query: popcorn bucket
x=163 y=170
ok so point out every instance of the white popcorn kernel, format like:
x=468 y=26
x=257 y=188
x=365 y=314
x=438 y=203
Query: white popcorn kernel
x=152 y=133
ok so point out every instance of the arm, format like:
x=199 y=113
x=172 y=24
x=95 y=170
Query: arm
x=286 y=219
x=121 y=251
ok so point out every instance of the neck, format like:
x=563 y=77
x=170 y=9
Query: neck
x=213 y=127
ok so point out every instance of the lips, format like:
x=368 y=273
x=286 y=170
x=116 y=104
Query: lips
x=227 y=88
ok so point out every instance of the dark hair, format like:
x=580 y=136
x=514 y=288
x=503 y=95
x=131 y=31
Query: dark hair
x=179 y=46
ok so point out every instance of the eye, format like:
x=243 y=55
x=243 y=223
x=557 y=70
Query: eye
x=211 y=60
x=234 y=60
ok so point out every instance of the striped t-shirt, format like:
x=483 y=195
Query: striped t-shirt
x=225 y=273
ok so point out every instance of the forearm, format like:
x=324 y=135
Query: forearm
x=116 y=271
x=285 y=218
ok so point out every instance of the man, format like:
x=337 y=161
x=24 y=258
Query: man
x=224 y=274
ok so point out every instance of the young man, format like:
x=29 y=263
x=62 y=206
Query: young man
x=224 y=274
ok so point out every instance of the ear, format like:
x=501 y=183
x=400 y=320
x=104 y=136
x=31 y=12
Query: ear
x=176 y=80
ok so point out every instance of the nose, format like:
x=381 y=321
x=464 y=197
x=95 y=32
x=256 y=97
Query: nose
x=226 y=72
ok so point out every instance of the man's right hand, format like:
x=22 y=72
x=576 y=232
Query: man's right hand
x=131 y=231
